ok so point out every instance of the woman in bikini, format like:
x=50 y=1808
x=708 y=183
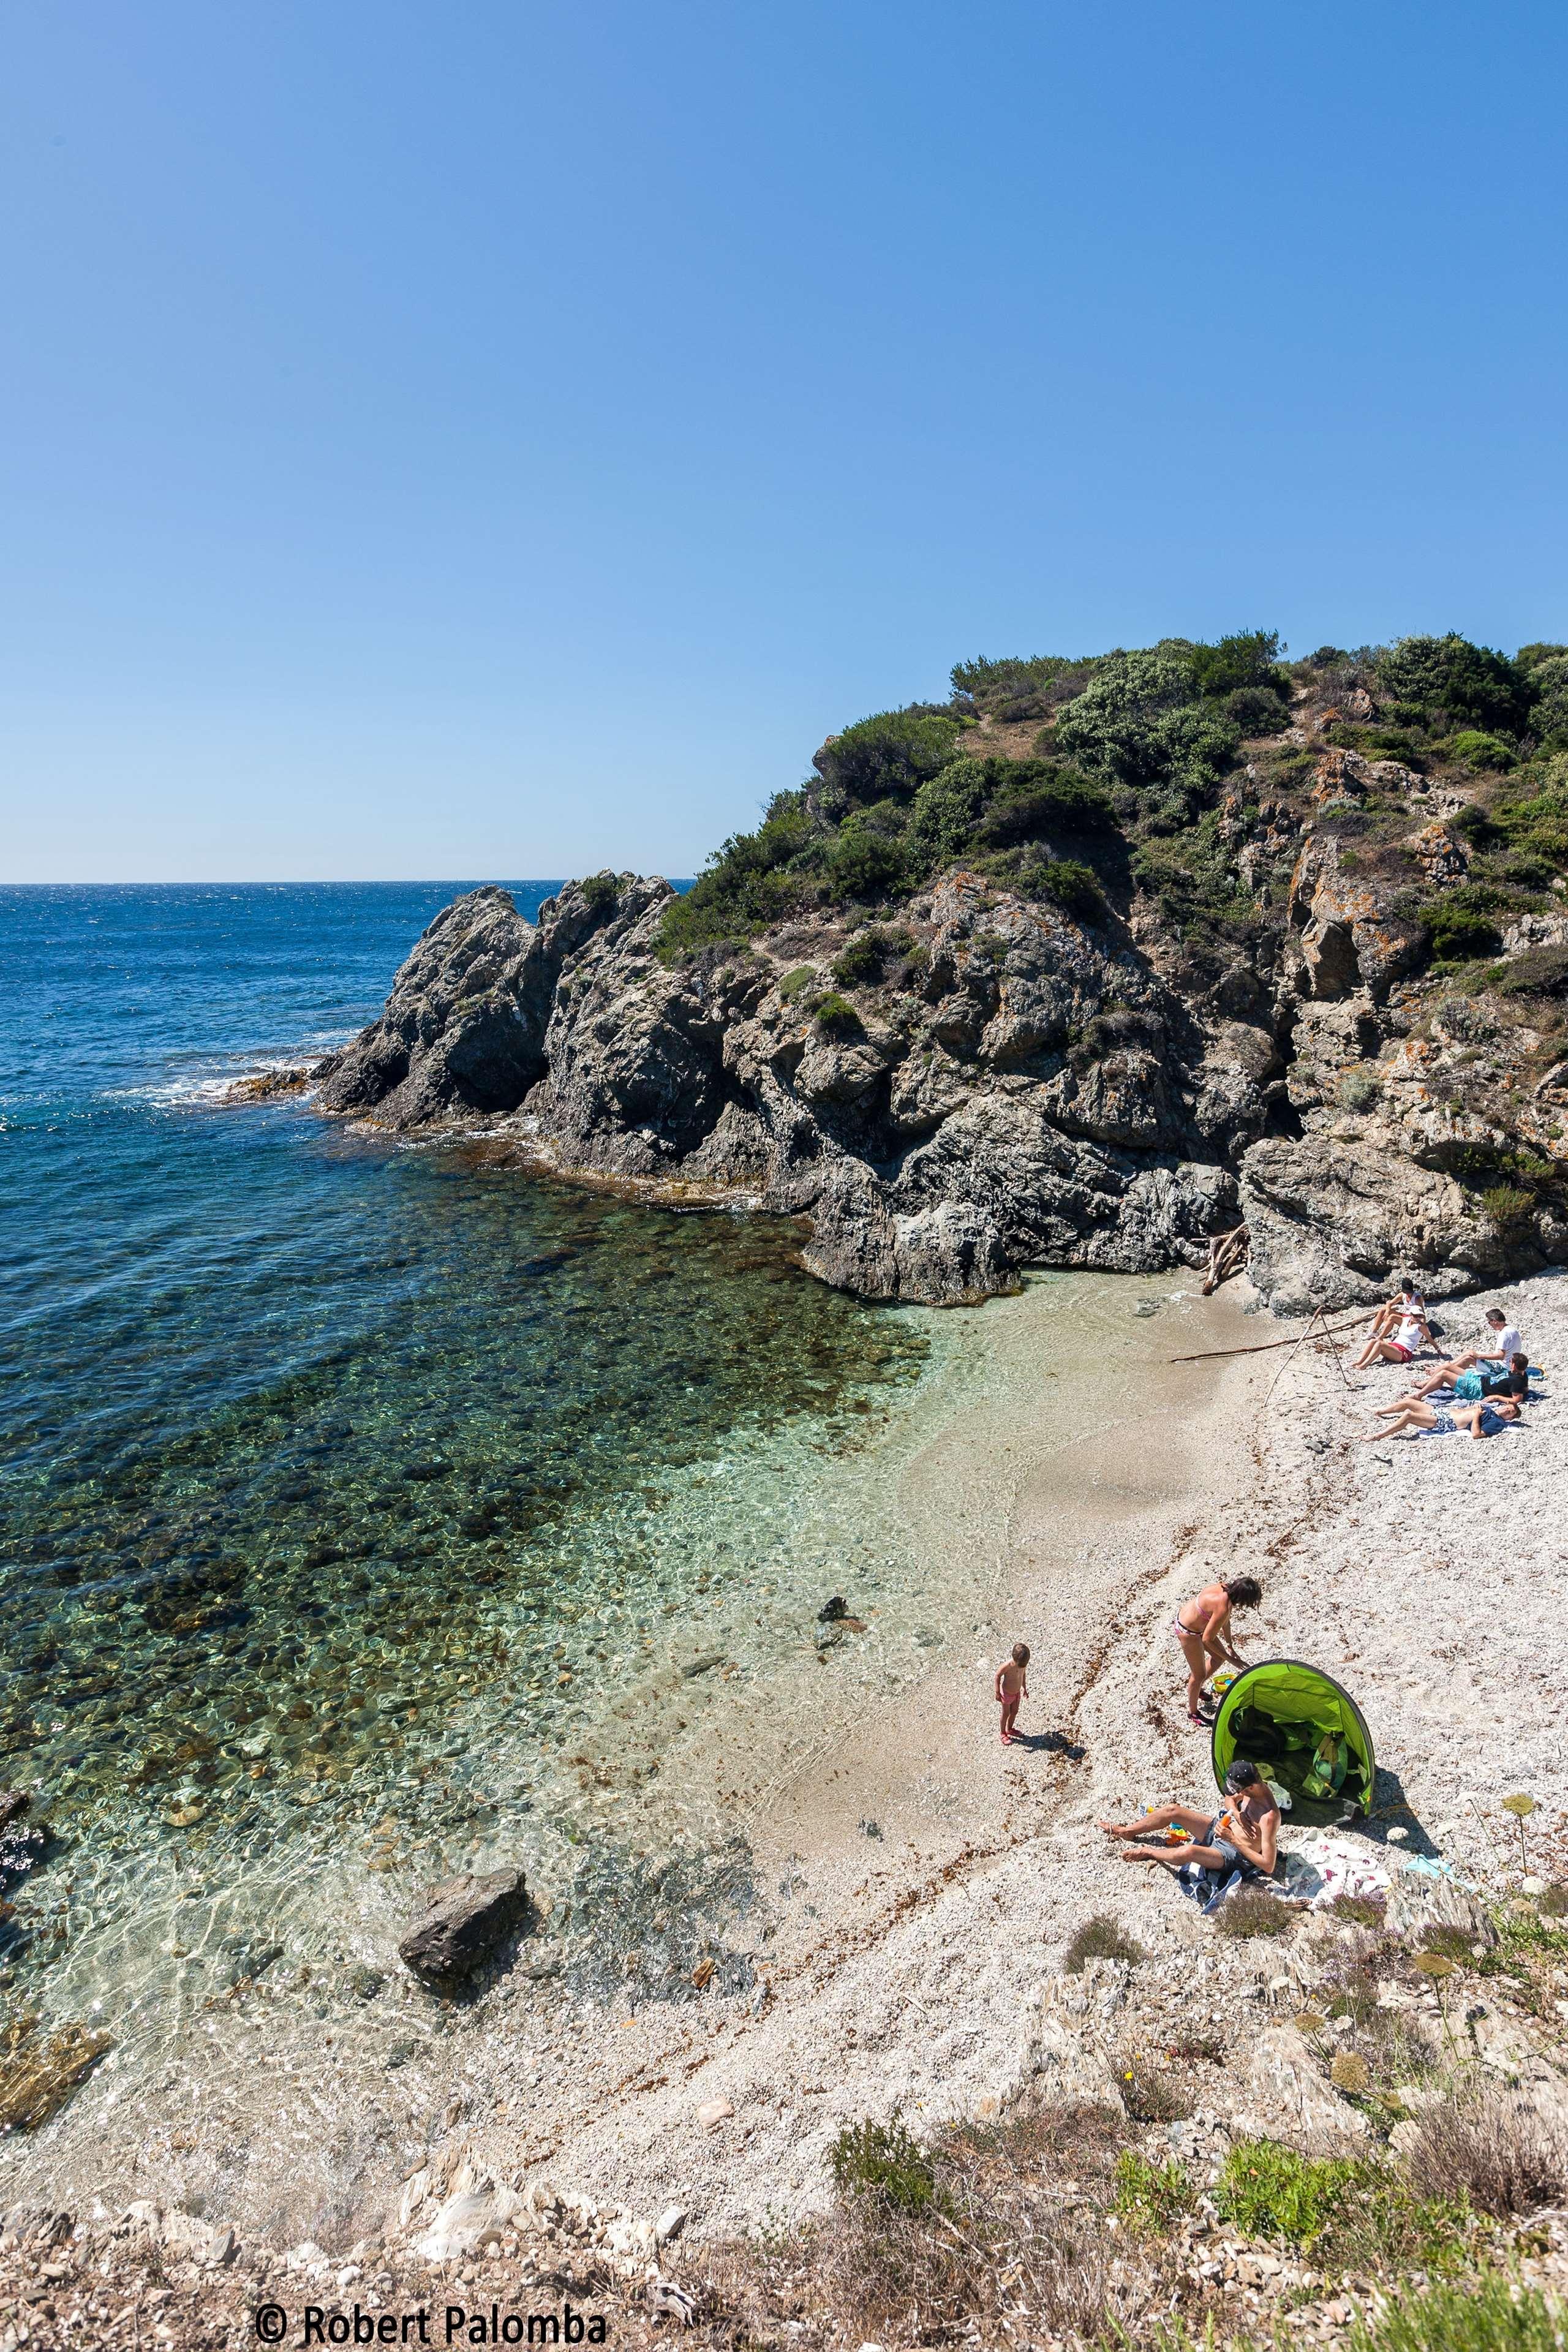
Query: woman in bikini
x=1247 y=1831
x=1202 y=1627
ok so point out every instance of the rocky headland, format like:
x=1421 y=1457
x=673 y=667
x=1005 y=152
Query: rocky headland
x=1093 y=963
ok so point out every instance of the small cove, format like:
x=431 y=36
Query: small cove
x=374 y=1511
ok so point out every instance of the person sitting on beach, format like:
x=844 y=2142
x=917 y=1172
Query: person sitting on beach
x=1468 y=1382
x=1416 y=1417
x=1012 y=1685
x=1506 y=1343
x=1397 y=1345
x=1394 y=1311
x=1247 y=1831
x=1201 y=1628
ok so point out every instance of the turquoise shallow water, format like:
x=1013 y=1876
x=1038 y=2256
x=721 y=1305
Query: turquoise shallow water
x=331 y=1469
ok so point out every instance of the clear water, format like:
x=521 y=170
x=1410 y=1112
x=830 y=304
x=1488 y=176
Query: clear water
x=339 y=1479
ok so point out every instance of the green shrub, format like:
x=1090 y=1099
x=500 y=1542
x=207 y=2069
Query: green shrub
x=1353 y=2211
x=792 y=983
x=864 y=864
x=885 y=2161
x=1508 y=1207
x=1457 y=933
x=837 y=1017
x=1069 y=884
x=887 y=756
x=1549 y=714
x=1479 y=750
x=750 y=883
x=947 y=810
x=1246 y=661
x=859 y=960
x=1017 y=689
x=864 y=958
x=1100 y=1937
x=601 y=891
x=1256 y=710
x=1140 y=720
x=1152 y=2196
x=1472 y=685
x=1497 y=2315
x=1036 y=798
x=1193 y=880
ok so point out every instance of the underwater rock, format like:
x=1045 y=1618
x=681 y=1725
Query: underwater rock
x=22 y=1850
x=463 y=1920
x=39 y=2070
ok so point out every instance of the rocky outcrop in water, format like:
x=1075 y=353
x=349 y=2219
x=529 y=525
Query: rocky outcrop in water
x=1003 y=1083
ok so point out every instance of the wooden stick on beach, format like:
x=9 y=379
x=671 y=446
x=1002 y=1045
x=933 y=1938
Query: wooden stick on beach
x=1322 y=1330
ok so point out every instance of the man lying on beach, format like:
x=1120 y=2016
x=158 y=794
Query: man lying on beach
x=1398 y=1345
x=1416 y=1416
x=1247 y=1831
x=1469 y=1381
x=1201 y=1628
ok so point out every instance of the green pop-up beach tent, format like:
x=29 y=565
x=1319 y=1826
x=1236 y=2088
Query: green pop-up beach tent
x=1302 y=1730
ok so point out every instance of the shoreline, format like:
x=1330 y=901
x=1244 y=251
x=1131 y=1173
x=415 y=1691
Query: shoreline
x=937 y=1494
x=926 y=1878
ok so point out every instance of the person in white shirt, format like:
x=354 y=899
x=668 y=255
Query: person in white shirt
x=1505 y=1343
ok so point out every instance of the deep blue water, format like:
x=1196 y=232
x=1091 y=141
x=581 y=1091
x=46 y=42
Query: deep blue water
x=303 y=1435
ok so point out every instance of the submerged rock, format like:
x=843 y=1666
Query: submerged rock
x=463 y=1921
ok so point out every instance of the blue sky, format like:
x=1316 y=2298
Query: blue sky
x=505 y=438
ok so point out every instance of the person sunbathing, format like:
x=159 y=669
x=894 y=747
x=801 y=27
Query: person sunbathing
x=1398 y=1344
x=1246 y=1831
x=1417 y=1418
x=1393 y=1311
x=1469 y=1381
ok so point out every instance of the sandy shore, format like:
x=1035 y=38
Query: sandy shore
x=1428 y=1576
x=916 y=1882
x=922 y=1878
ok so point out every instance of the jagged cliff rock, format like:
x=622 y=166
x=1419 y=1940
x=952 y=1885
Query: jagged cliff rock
x=996 y=1082
x=939 y=1137
x=1039 y=1095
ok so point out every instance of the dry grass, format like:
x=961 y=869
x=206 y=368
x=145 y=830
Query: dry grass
x=1250 y=1912
x=1100 y=1937
x=1491 y=2148
x=1012 y=2247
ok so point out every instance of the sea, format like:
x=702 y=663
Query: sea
x=349 y=1486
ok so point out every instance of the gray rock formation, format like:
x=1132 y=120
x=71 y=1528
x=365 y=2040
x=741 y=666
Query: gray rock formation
x=1024 y=1089
x=463 y=1921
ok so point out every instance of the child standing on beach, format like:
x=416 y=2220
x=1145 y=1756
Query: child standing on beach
x=1012 y=1685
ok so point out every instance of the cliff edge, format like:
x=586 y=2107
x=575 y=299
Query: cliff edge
x=1284 y=981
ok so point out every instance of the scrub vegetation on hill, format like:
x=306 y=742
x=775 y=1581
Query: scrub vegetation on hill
x=1086 y=781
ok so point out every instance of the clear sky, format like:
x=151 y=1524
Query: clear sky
x=501 y=437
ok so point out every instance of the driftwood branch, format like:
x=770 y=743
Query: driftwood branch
x=1324 y=1331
